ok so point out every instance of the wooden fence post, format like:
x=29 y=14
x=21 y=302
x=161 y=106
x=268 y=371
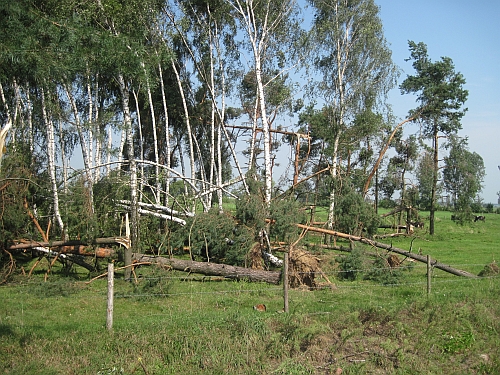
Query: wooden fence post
x=285 y=282
x=429 y=271
x=111 y=278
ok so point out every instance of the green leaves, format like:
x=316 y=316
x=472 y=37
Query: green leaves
x=439 y=90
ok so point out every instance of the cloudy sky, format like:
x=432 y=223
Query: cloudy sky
x=469 y=33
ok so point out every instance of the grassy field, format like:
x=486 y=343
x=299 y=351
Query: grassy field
x=173 y=323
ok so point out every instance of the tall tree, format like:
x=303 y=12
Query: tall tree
x=271 y=28
x=403 y=162
x=441 y=96
x=463 y=174
x=354 y=64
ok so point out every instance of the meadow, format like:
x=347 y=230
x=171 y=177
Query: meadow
x=171 y=322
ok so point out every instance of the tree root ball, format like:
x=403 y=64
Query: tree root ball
x=302 y=268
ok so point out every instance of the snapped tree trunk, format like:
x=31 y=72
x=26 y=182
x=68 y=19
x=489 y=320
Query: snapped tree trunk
x=420 y=258
x=213 y=269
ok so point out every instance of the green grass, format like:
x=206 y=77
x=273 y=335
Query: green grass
x=172 y=323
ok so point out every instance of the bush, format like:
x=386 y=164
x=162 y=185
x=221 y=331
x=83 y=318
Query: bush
x=353 y=215
x=382 y=273
x=350 y=265
x=216 y=237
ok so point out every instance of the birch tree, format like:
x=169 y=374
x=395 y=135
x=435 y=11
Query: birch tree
x=354 y=64
x=270 y=28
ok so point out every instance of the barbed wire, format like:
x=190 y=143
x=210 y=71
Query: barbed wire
x=339 y=284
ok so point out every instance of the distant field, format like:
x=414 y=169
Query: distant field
x=178 y=323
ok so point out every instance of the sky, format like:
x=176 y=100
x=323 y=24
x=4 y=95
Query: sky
x=468 y=33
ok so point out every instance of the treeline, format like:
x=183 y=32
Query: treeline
x=162 y=109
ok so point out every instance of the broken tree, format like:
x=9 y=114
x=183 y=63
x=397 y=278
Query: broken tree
x=213 y=269
x=420 y=258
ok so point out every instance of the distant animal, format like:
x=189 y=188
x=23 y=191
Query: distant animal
x=479 y=218
x=260 y=307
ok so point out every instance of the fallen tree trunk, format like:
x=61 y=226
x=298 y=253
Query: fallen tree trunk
x=420 y=258
x=72 y=258
x=213 y=269
x=73 y=243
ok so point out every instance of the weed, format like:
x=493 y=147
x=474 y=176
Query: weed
x=458 y=342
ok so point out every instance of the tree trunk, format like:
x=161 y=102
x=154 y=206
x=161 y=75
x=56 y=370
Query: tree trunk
x=141 y=144
x=155 y=138
x=167 y=137
x=434 y=183
x=213 y=269
x=382 y=153
x=134 y=217
x=52 y=163
x=189 y=135
x=87 y=163
x=333 y=171
x=420 y=258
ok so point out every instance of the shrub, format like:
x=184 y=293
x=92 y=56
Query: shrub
x=350 y=265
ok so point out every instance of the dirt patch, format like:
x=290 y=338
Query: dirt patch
x=491 y=269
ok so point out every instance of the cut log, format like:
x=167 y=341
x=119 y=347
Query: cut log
x=420 y=258
x=213 y=269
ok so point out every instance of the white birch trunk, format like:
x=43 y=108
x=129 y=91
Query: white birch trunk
x=212 y=128
x=99 y=139
x=109 y=151
x=90 y=129
x=8 y=125
x=258 y=35
x=31 y=138
x=155 y=138
x=64 y=162
x=83 y=145
x=141 y=144
x=52 y=163
x=333 y=172
x=134 y=217
x=167 y=136
x=189 y=133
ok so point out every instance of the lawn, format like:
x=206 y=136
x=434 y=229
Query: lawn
x=176 y=323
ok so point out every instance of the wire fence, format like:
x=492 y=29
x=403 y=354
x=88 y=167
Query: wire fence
x=203 y=290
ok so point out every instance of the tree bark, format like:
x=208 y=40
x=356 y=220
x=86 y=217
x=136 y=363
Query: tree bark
x=434 y=183
x=51 y=162
x=213 y=269
x=382 y=153
x=71 y=244
x=134 y=216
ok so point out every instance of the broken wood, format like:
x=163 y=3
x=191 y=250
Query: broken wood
x=420 y=258
x=384 y=150
x=72 y=258
x=213 y=269
x=98 y=241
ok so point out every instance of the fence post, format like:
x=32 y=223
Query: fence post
x=111 y=278
x=429 y=270
x=285 y=282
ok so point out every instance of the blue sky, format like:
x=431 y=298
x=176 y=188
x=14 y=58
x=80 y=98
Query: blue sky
x=469 y=33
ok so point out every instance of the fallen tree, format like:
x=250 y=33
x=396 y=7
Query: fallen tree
x=417 y=257
x=212 y=269
x=72 y=245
